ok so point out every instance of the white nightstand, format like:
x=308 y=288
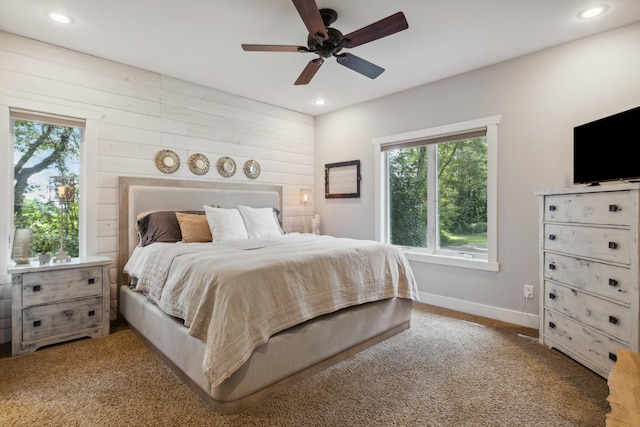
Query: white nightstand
x=58 y=302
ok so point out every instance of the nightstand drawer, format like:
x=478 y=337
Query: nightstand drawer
x=610 y=208
x=579 y=340
x=603 y=315
x=49 y=286
x=607 y=244
x=61 y=318
x=602 y=279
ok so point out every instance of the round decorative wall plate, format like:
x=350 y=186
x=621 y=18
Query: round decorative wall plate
x=167 y=161
x=198 y=164
x=252 y=169
x=226 y=166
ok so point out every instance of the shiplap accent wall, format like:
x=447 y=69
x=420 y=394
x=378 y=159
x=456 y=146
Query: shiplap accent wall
x=132 y=114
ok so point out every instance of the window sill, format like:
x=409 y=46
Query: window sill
x=476 y=264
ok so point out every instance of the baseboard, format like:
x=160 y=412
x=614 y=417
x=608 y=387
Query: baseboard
x=497 y=313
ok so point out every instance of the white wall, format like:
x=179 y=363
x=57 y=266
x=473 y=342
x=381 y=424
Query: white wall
x=541 y=97
x=132 y=114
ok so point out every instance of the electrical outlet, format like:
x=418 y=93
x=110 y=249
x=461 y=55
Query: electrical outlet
x=528 y=291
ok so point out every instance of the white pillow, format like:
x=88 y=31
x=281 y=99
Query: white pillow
x=225 y=224
x=260 y=222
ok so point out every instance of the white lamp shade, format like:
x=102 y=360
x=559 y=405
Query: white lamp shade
x=305 y=196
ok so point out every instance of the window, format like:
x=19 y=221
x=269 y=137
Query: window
x=46 y=176
x=436 y=193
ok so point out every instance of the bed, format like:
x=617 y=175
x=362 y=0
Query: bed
x=253 y=358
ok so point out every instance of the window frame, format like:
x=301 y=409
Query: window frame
x=430 y=255
x=56 y=120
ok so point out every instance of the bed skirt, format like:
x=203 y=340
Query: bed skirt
x=288 y=357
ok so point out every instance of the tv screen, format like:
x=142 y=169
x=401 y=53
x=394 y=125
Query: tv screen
x=604 y=150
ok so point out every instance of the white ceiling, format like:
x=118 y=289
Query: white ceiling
x=199 y=40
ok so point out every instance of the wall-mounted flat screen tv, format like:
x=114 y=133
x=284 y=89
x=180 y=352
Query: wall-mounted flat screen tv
x=605 y=149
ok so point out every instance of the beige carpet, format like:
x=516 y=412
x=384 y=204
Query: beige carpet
x=448 y=370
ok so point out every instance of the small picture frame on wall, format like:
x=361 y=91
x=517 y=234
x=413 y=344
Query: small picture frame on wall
x=342 y=180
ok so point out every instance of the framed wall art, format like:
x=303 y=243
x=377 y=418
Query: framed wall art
x=251 y=169
x=167 y=161
x=342 y=180
x=198 y=164
x=226 y=166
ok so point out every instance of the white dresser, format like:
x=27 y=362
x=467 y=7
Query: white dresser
x=589 y=272
x=59 y=302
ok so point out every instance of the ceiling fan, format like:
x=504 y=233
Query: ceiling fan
x=326 y=41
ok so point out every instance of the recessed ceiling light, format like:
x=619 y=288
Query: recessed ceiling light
x=593 y=11
x=320 y=101
x=59 y=17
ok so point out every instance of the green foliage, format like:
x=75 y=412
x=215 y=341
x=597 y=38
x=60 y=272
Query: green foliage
x=462 y=179
x=53 y=150
x=44 y=220
x=408 y=194
x=479 y=227
x=462 y=192
x=44 y=244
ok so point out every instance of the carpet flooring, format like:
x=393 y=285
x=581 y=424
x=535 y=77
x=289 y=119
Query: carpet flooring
x=449 y=369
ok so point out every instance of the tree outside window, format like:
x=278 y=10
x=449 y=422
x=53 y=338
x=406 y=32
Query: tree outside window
x=458 y=170
x=43 y=150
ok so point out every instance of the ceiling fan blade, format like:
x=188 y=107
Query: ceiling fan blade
x=385 y=27
x=359 y=65
x=309 y=71
x=273 y=48
x=310 y=14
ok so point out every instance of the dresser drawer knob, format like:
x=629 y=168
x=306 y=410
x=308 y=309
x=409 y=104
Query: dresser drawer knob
x=552 y=207
x=552 y=295
x=613 y=357
x=36 y=288
x=613 y=320
x=552 y=266
x=37 y=323
x=91 y=281
x=552 y=325
x=613 y=245
x=552 y=237
x=613 y=282
x=613 y=208
x=91 y=313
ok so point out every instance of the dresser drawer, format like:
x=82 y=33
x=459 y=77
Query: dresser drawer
x=609 y=208
x=605 y=316
x=61 y=318
x=579 y=340
x=48 y=286
x=607 y=244
x=603 y=279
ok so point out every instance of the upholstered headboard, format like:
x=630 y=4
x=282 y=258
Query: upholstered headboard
x=150 y=194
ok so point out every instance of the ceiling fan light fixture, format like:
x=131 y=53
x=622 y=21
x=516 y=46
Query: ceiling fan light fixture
x=593 y=11
x=59 y=17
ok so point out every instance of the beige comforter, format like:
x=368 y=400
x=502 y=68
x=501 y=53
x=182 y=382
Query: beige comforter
x=235 y=295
